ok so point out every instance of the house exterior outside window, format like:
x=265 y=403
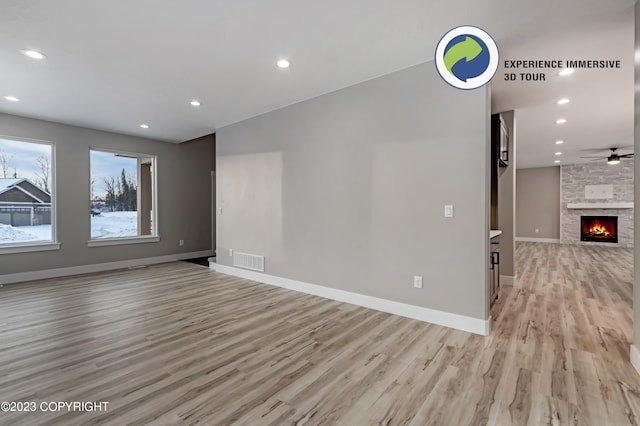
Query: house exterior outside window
x=23 y=203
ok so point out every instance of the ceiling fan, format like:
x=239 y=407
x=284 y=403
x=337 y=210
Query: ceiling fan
x=614 y=157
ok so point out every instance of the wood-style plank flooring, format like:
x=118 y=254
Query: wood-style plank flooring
x=179 y=344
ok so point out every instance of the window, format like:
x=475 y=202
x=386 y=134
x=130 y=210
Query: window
x=122 y=198
x=27 y=196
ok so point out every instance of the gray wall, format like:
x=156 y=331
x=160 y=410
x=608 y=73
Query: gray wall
x=574 y=178
x=506 y=201
x=211 y=141
x=347 y=191
x=538 y=202
x=184 y=195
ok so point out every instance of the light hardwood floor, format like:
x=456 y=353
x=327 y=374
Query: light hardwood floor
x=180 y=344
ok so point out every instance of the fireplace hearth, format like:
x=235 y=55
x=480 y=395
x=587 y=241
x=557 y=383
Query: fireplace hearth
x=603 y=229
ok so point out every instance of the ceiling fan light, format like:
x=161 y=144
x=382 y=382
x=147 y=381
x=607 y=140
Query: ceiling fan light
x=614 y=159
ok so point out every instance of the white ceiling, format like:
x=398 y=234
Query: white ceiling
x=113 y=65
x=600 y=114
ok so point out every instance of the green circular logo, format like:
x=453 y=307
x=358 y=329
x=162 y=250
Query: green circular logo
x=467 y=57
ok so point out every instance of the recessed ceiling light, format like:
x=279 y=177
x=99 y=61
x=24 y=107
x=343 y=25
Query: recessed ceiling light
x=33 y=54
x=557 y=161
x=559 y=142
x=558 y=153
x=563 y=101
x=566 y=71
x=11 y=98
x=195 y=103
x=561 y=121
x=144 y=126
x=283 y=63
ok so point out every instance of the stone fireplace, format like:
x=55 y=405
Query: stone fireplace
x=598 y=191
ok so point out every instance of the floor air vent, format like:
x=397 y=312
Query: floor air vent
x=248 y=261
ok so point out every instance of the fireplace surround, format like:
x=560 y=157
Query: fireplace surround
x=573 y=201
x=603 y=229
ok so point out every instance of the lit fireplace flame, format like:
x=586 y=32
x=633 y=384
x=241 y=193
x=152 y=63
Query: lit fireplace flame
x=598 y=230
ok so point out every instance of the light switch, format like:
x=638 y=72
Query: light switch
x=448 y=210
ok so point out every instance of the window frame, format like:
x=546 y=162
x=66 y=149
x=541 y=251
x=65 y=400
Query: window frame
x=53 y=244
x=154 y=237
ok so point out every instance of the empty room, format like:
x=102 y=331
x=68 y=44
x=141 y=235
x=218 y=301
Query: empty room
x=292 y=212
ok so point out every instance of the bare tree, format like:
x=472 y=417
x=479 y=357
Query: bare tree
x=4 y=164
x=43 y=173
x=110 y=192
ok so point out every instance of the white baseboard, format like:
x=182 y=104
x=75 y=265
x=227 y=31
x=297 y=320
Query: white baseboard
x=459 y=322
x=97 y=267
x=539 y=240
x=634 y=357
x=507 y=280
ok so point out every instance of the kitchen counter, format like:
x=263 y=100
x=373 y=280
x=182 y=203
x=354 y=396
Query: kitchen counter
x=494 y=233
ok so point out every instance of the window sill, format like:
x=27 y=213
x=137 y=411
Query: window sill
x=122 y=241
x=26 y=247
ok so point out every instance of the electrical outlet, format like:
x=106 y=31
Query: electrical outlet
x=417 y=281
x=230 y=252
x=448 y=210
x=181 y=242
x=219 y=210
x=537 y=230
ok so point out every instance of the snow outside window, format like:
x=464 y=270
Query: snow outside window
x=122 y=196
x=27 y=194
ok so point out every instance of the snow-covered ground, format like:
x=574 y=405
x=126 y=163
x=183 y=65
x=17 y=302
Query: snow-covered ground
x=21 y=234
x=114 y=225
x=107 y=225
